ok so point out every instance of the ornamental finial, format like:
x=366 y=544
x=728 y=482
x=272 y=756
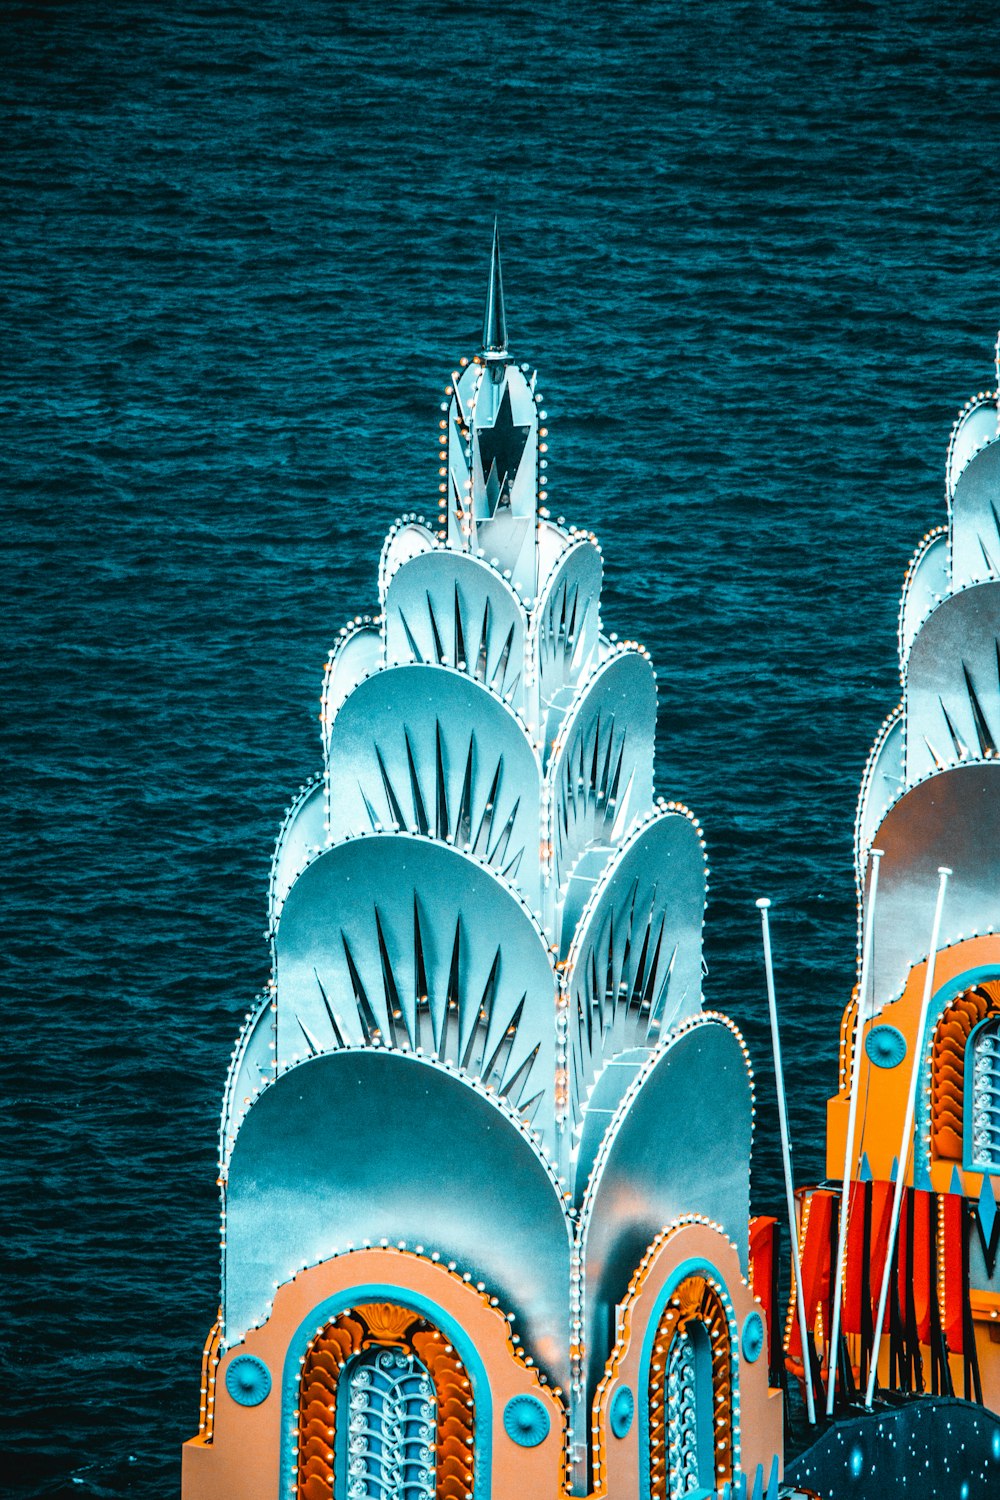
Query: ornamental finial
x=495 y=322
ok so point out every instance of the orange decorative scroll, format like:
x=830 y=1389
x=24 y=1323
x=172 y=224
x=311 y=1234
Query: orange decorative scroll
x=948 y=1065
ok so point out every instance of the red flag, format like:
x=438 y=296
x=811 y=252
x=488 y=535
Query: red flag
x=952 y=1207
x=857 y=1250
x=881 y=1214
x=816 y=1259
x=923 y=1287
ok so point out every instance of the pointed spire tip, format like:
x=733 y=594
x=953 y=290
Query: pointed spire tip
x=495 y=320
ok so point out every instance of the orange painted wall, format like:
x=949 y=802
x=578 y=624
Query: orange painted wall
x=616 y=1465
x=241 y=1462
x=882 y=1091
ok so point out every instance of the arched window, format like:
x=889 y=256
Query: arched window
x=949 y=1054
x=982 y=1097
x=691 y=1395
x=386 y=1431
x=385 y=1409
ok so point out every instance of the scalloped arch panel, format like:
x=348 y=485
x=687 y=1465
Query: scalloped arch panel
x=366 y=1145
x=975 y=518
x=447 y=607
x=952 y=685
x=953 y=819
x=406 y=540
x=634 y=967
x=880 y=786
x=400 y=941
x=926 y=583
x=355 y=655
x=974 y=428
x=601 y=774
x=434 y=752
x=679 y=1145
x=302 y=833
x=250 y=1069
x=565 y=630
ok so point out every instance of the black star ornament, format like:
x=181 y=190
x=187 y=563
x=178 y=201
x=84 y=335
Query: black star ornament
x=501 y=448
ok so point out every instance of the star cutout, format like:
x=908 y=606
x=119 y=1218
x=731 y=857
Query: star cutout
x=500 y=451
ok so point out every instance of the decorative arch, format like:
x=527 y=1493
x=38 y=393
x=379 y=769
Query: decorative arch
x=951 y=685
x=600 y=774
x=690 y=1392
x=565 y=630
x=401 y=941
x=950 y=818
x=385 y=1406
x=430 y=750
x=673 y=1149
x=446 y=607
x=975 y=532
x=951 y=1076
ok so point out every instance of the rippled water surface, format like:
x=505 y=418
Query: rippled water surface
x=752 y=249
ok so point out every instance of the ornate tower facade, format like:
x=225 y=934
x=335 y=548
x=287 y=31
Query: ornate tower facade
x=923 y=1057
x=484 y=1154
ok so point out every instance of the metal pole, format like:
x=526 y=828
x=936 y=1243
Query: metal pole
x=786 y=1159
x=906 y=1142
x=852 y=1115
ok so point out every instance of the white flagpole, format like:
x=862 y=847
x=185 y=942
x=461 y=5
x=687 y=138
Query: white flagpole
x=786 y=1158
x=905 y=1143
x=852 y=1116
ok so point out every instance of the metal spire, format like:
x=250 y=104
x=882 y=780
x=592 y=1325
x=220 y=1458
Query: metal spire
x=494 y=321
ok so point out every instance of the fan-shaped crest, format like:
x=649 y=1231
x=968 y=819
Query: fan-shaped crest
x=446 y=607
x=880 y=785
x=302 y=833
x=410 y=537
x=431 y=750
x=403 y=942
x=250 y=1070
x=952 y=683
x=357 y=652
x=565 y=631
x=634 y=968
x=678 y=1145
x=951 y=818
x=926 y=585
x=381 y=1149
x=975 y=518
x=600 y=777
x=975 y=427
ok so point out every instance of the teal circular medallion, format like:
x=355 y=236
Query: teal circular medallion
x=248 y=1380
x=752 y=1342
x=886 y=1046
x=526 y=1421
x=622 y=1411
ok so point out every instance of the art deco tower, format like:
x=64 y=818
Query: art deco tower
x=484 y=1157
x=916 y=1121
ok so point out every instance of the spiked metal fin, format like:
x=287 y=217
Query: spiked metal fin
x=495 y=321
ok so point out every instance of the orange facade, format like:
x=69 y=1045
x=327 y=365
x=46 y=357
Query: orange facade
x=501 y=1429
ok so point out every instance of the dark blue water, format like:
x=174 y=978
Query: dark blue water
x=753 y=250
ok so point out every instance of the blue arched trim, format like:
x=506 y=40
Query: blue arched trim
x=379 y=1291
x=940 y=1000
x=693 y=1267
